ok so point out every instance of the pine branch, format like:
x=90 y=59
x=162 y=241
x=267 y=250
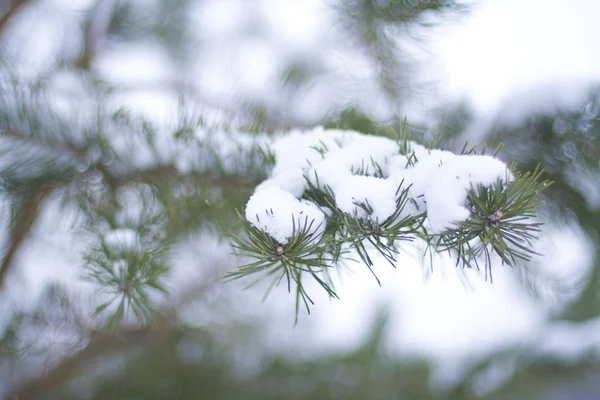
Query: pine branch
x=44 y=144
x=169 y=171
x=473 y=206
x=52 y=163
x=286 y=262
x=151 y=174
x=409 y=12
x=499 y=223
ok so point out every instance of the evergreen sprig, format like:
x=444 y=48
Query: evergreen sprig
x=304 y=253
x=500 y=223
x=127 y=272
x=363 y=233
x=307 y=252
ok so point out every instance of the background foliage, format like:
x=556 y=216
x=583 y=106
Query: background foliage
x=85 y=175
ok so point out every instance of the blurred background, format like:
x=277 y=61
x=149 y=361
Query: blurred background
x=128 y=138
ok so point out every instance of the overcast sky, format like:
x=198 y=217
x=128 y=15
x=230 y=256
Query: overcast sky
x=507 y=46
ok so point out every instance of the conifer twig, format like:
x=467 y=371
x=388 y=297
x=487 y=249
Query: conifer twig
x=57 y=147
x=166 y=171
x=160 y=171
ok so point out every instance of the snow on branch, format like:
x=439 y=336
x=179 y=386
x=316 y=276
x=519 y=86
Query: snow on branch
x=344 y=194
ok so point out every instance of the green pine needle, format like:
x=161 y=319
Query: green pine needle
x=500 y=223
x=304 y=253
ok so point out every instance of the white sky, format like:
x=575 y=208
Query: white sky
x=506 y=46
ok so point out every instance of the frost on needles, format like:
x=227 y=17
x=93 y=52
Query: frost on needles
x=335 y=195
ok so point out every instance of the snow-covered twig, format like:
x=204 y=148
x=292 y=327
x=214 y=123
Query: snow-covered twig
x=363 y=192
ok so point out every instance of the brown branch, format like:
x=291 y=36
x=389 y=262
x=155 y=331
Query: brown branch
x=422 y=7
x=164 y=171
x=21 y=228
x=61 y=148
x=168 y=171
x=103 y=343
x=14 y=9
x=95 y=32
x=100 y=344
